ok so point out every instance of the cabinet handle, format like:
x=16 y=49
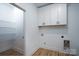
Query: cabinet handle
x=43 y=23
x=58 y=22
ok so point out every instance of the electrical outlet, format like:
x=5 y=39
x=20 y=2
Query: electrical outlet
x=44 y=43
x=42 y=34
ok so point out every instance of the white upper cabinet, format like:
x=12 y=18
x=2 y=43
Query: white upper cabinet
x=44 y=16
x=62 y=14
x=54 y=14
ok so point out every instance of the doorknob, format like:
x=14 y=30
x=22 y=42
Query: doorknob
x=23 y=37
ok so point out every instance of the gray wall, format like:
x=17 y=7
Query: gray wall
x=10 y=26
x=7 y=27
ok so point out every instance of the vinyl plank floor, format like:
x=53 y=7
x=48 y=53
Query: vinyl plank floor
x=46 y=52
x=10 y=52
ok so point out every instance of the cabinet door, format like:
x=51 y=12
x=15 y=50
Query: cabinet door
x=62 y=14
x=40 y=16
x=53 y=14
x=44 y=16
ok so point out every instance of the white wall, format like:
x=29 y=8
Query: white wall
x=70 y=31
x=52 y=37
x=73 y=25
x=31 y=29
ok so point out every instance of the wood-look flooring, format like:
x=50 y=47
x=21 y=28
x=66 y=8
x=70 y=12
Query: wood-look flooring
x=10 y=52
x=46 y=52
x=39 y=52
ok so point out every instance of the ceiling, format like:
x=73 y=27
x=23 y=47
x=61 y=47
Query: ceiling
x=41 y=4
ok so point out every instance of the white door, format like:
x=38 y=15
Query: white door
x=19 y=16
